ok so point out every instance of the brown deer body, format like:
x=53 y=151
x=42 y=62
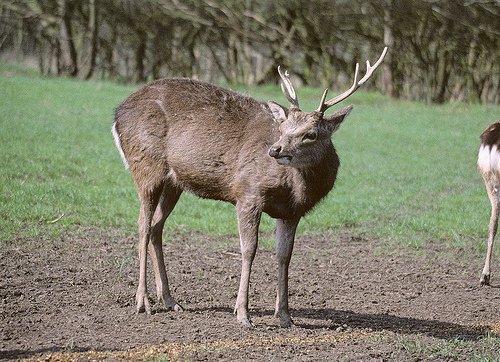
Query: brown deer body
x=185 y=135
x=488 y=163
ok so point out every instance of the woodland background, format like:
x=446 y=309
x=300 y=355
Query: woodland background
x=440 y=50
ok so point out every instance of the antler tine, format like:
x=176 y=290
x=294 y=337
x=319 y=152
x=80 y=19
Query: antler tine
x=325 y=105
x=369 y=71
x=287 y=88
x=322 y=102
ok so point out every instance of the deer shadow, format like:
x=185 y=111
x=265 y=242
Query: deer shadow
x=382 y=322
x=375 y=322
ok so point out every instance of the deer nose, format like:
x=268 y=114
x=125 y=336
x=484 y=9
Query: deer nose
x=274 y=151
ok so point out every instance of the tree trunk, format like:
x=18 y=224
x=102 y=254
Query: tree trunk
x=109 y=58
x=232 y=55
x=93 y=29
x=41 y=61
x=387 y=74
x=473 y=87
x=442 y=77
x=140 y=54
x=68 y=50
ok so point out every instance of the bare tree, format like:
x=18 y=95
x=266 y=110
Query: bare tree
x=446 y=50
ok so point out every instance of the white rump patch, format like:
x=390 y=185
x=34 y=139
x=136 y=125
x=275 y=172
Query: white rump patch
x=488 y=159
x=118 y=144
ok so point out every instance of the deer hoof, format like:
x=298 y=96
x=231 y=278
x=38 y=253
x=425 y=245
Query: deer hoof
x=169 y=303
x=286 y=322
x=485 y=279
x=177 y=308
x=245 y=322
x=285 y=319
x=167 y=307
x=174 y=306
x=143 y=305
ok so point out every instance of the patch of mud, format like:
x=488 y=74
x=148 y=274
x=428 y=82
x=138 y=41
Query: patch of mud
x=73 y=299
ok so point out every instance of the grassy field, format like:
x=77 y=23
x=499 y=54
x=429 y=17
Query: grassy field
x=408 y=169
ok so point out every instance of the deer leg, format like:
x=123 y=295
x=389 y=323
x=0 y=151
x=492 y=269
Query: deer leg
x=168 y=200
x=248 y=224
x=149 y=200
x=492 y=229
x=285 y=237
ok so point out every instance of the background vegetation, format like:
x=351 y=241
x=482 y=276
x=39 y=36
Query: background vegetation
x=408 y=169
x=439 y=49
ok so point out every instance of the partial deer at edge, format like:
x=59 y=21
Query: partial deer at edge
x=488 y=162
x=181 y=134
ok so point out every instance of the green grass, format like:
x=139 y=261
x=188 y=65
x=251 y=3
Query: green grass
x=485 y=349
x=408 y=170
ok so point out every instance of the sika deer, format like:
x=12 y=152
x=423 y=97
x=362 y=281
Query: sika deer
x=488 y=162
x=185 y=135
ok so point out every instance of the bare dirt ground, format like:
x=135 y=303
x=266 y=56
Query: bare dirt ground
x=351 y=299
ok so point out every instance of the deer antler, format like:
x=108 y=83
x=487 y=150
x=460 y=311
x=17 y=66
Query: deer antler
x=287 y=88
x=323 y=106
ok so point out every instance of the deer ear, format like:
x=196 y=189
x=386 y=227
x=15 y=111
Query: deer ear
x=333 y=121
x=279 y=112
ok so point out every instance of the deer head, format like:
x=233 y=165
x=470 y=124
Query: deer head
x=304 y=136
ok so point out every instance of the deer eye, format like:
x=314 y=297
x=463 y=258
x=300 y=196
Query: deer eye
x=310 y=136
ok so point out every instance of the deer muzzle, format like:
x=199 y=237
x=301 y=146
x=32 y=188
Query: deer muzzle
x=276 y=152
